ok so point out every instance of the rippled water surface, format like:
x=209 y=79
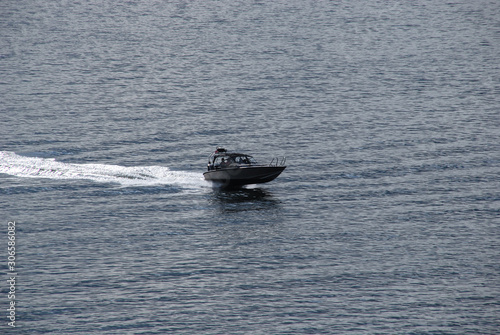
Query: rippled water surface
x=386 y=220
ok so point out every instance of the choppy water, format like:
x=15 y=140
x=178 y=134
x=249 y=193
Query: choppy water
x=386 y=220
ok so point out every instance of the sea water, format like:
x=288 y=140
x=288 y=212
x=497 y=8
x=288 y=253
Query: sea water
x=386 y=220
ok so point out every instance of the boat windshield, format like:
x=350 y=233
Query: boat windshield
x=223 y=161
x=245 y=160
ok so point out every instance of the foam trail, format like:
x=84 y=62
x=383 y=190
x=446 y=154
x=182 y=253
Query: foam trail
x=34 y=167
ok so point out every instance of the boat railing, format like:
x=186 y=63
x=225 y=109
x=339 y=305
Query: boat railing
x=278 y=161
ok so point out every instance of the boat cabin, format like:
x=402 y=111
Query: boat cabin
x=221 y=159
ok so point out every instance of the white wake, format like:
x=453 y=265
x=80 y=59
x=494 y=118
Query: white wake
x=34 y=167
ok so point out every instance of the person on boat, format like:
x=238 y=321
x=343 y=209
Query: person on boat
x=224 y=163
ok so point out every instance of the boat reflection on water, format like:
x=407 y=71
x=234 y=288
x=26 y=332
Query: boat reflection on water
x=243 y=199
x=242 y=194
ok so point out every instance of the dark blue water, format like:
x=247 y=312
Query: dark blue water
x=386 y=220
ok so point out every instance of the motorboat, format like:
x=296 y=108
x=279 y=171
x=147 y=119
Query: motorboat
x=231 y=169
